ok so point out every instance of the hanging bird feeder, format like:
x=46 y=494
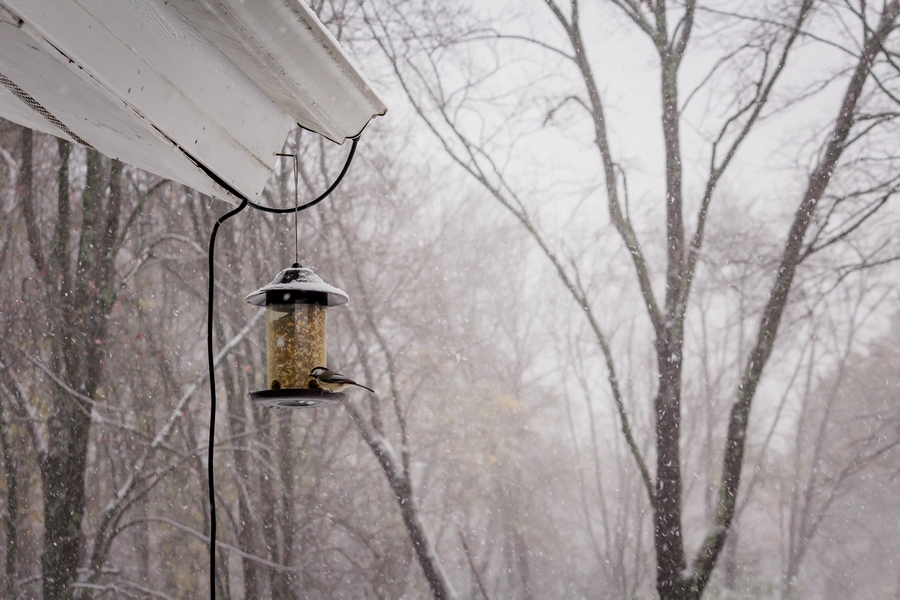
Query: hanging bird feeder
x=296 y=303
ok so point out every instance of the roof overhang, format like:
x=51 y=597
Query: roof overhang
x=203 y=92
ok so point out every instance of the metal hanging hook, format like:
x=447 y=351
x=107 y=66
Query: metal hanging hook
x=296 y=211
x=296 y=206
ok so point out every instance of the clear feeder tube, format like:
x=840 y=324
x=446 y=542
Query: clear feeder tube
x=295 y=343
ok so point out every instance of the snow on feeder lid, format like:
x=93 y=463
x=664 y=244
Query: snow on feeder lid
x=298 y=285
x=296 y=303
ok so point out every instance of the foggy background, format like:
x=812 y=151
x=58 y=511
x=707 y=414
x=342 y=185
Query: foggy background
x=474 y=237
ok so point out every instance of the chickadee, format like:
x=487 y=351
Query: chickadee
x=333 y=382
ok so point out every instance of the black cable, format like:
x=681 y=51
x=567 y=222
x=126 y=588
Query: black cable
x=212 y=394
x=210 y=357
x=325 y=194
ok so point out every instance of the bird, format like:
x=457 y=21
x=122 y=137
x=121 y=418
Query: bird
x=330 y=381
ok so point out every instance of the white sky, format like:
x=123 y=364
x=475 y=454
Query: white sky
x=557 y=168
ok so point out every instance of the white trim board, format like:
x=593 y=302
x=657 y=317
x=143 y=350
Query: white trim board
x=202 y=92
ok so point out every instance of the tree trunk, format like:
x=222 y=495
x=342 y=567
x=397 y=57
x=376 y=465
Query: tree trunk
x=11 y=517
x=236 y=395
x=791 y=258
x=401 y=485
x=262 y=417
x=282 y=579
x=78 y=326
x=670 y=561
x=731 y=564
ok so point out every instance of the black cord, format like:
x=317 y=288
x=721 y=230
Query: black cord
x=210 y=357
x=212 y=394
x=325 y=194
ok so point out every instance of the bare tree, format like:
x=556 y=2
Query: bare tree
x=78 y=304
x=490 y=463
x=839 y=443
x=419 y=61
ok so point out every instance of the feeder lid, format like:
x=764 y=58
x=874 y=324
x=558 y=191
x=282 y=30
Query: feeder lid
x=298 y=284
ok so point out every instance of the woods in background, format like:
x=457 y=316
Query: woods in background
x=597 y=375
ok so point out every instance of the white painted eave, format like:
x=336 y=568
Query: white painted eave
x=202 y=92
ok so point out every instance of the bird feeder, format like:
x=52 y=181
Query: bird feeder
x=296 y=303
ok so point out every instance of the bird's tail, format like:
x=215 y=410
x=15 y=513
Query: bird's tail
x=364 y=387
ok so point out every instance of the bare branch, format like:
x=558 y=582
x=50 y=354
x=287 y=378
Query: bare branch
x=621 y=223
x=205 y=539
x=21 y=404
x=813 y=247
x=716 y=171
x=400 y=483
x=87 y=403
x=562 y=103
x=503 y=193
x=740 y=412
x=472 y=566
x=684 y=27
x=521 y=38
x=632 y=9
x=114 y=506
x=617 y=394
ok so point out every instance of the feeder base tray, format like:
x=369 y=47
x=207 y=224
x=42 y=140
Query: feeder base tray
x=296 y=398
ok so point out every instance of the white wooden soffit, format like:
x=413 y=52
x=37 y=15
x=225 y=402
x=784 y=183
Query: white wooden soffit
x=202 y=92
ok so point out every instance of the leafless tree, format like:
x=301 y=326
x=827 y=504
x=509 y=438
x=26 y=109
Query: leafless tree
x=490 y=463
x=441 y=94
